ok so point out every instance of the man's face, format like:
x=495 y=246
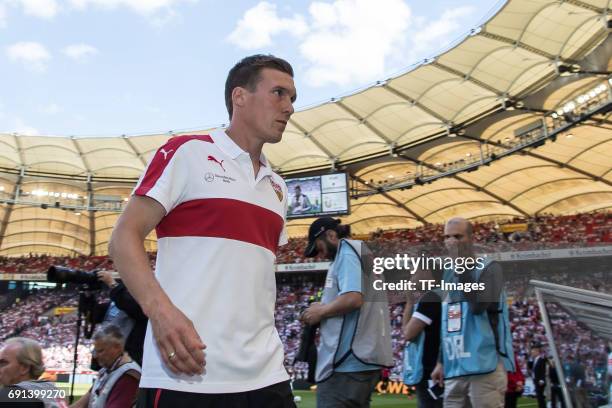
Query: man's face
x=106 y=352
x=456 y=239
x=535 y=352
x=327 y=244
x=268 y=108
x=11 y=371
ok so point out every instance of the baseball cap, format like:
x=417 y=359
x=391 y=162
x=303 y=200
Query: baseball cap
x=318 y=227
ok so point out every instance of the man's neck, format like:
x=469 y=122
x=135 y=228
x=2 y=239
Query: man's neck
x=246 y=140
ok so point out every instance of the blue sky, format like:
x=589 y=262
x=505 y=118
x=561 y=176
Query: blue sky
x=112 y=67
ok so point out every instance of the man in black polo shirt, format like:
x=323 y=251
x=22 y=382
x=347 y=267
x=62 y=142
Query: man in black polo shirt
x=424 y=320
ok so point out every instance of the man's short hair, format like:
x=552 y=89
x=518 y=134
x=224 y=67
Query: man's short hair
x=245 y=74
x=109 y=333
x=29 y=354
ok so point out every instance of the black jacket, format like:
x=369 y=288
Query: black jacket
x=135 y=340
x=538 y=370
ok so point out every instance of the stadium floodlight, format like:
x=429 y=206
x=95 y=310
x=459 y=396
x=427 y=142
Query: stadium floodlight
x=568 y=69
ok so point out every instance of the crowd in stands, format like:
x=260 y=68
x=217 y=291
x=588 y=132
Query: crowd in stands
x=41 y=263
x=545 y=231
x=33 y=316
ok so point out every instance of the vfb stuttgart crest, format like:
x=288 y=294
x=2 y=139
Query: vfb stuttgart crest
x=277 y=189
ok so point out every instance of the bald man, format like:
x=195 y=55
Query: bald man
x=476 y=340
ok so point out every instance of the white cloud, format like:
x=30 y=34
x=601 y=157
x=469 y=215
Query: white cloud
x=80 y=52
x=433 y=35
x=32 y=55
x=256 y=28
x=352 y=39
x=40 y=8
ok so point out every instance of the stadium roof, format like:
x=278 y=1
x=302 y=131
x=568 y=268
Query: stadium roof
x=426 y=145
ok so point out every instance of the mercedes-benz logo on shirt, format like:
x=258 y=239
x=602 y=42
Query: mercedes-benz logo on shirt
x=209 y=177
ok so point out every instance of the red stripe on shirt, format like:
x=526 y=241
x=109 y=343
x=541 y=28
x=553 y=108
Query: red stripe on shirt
x=160 y=160
x=157 y=395
x=223 y=218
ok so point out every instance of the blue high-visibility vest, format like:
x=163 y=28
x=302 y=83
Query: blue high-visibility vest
x=413 y=358
x=468 y=341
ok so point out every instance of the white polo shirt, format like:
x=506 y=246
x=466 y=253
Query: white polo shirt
x=215 y=260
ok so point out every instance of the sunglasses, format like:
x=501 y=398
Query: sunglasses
x=456 y=236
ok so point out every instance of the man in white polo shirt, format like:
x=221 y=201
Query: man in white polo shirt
x=219 y=214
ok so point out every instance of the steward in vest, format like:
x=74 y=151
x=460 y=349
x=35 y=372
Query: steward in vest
x=355 y=333
x=475 y=332
x=421 y=330
x=117 y=382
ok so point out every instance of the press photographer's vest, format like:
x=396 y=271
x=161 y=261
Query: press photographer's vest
x=105 y=383
x=371 y=339
x=413 y=358
x=468 y=341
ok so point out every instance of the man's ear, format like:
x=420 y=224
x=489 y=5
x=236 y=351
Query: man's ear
x=239 y=95
x=24 y=369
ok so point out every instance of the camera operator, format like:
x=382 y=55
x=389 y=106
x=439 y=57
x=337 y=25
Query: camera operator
x=123 y=300
x=117 y=383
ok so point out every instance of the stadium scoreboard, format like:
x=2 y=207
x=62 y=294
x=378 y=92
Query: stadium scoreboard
x=315 y=196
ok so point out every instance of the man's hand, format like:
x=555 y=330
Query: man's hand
x=178 y=342
x=106 y=277
x=519 y=386
x=314 y=314
x=437 y=375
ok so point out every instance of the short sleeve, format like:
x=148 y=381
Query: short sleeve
x=348 y=267
x=165 y=178
x=428 y=309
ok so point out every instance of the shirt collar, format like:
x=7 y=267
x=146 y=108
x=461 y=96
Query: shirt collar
x=226 y=144
x=231 y=149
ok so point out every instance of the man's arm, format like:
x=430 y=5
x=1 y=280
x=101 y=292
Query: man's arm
x=173 y=331
x=427 y=312
x=350 y=298
x=413 y=328
x=342 y=305
x=83 y=402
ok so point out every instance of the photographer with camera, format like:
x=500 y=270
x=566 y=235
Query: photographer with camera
x=126 y=313
x=117 y=383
